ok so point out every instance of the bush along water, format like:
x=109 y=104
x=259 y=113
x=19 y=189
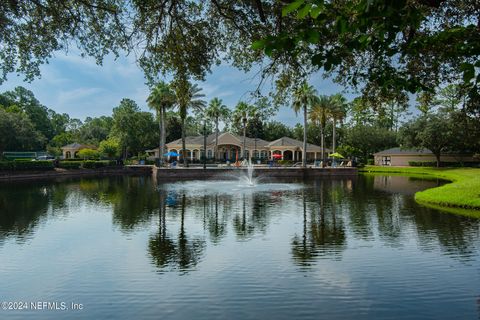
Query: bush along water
x=26 y=165
x=50 y=165
x=87 y=164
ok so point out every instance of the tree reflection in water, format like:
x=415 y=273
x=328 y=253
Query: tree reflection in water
x=217 y=226
x=184 y=253
x=161 y=247
x=323 y=233
x=331 y=212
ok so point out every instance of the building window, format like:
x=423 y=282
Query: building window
x=263 y=154
x=209 y=154
x=386 y=161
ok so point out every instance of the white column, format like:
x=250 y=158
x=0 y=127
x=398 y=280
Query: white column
x=282 y=153
x=315 y=156
x=294 y=155
x=191 y=155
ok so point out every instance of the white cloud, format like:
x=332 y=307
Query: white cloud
x=77 y=94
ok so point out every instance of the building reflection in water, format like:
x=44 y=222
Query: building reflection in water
x=331 y=214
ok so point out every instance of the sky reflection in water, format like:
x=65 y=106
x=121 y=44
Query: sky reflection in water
x=129 y=247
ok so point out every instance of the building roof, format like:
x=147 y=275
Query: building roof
x=233 y=139
x=76 y=145
x=288 y=142
x=193 y=140
x=223 y=138
x=399 y=151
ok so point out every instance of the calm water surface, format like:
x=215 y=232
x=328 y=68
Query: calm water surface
x=133 y=248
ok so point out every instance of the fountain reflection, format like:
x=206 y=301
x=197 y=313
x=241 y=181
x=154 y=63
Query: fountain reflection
x=332 y=214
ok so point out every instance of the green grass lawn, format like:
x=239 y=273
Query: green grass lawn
x=463 y=192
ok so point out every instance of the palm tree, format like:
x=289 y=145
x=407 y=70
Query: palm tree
x=160 y=99
x=188 y=97
x=217 y=111
x=241 y=114
x=319 y=113
x=337 y=112
x=256 y=115
x=304 y=97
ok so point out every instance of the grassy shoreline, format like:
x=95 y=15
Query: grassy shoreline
x=463 y=192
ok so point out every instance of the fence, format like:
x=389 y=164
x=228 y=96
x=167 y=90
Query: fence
x=11 y=155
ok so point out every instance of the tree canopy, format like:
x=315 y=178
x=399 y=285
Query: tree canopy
x=383 y=48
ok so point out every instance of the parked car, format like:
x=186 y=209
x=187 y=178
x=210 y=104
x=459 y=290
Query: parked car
x=47 y=157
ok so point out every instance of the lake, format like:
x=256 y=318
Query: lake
x=135 y=248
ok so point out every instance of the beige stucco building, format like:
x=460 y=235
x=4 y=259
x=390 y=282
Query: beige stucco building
x=70 y=151
x=230 y=147
x=399 y=157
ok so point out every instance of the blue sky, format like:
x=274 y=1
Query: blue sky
x=77 y=86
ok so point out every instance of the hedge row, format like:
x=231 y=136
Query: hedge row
x=26 y=165
x=91 y=164
x=442 y=164
x=422 y=163
x=70 y=164
x=87 y=164
x=49 y=165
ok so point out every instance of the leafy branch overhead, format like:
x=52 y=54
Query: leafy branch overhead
x=404 y=45
x=383 y=48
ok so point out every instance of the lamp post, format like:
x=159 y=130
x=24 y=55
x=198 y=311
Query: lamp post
x=204 y=144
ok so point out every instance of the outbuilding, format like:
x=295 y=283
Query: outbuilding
x=402 y=157
x=70 y=151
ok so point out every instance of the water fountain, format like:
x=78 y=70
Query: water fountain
x=237 y=181
x=249 y=180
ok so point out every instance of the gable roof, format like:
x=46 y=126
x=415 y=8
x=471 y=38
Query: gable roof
x=223 y=138
x=230 y=138
x=76 y=145
x=400 y=151
x=193 y=140
x=288 y=142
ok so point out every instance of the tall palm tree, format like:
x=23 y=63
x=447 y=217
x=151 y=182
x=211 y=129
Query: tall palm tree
x=256 y=115
x=338 y=111
x=304 y=97
x=160 y=99
x=319 y=113
x=217 y=111
x=241 y=114
x=188 y=97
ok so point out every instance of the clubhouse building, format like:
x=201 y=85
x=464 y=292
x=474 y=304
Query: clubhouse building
x=230 y=148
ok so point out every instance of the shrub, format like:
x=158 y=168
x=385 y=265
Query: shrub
x=89 y=164
x=370 y=161
x=442 y=164
x=34 y=165
x=26 y=165
x=422 y=163
x=70 y=164
x=7 y=165
x=285 y=162
x=110 y=148
x=88 y=154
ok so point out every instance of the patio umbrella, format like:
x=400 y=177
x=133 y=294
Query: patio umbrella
x=336 y=155
x=276 y=156
x=171 y=154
